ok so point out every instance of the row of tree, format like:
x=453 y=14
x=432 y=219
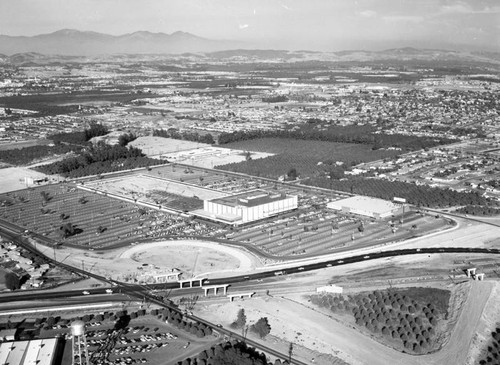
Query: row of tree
x=186 y=135
x=335 y=133
x=94 y=129
x=229 y=353
x=26 y=155
x=419 y=195
x=479 y=210
x=98 y=159
x=492 y=355
x=261 y=327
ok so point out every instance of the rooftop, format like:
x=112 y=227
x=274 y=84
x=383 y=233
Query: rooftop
x=250 y=198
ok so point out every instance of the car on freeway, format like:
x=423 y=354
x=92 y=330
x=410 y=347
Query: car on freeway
x=340 y=262
x=329 y=265
x=300 y=268
x=86 y=292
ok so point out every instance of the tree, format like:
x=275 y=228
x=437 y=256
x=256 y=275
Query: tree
x=241 y=319
x=45 y=196
x=12 y=281
x=292 y=174
x=67 y=230
x=126 y=138
x=261 y=327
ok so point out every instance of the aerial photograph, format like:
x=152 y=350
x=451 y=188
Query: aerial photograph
x=249 y=182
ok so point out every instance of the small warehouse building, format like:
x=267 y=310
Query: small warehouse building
x=247 y=207
x=367 y=207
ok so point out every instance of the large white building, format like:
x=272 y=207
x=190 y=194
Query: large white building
x=247 y=207
x=366 y=206
x=41 y=352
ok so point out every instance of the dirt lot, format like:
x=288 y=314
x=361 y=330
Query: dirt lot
x=191 y=257
x=292 y=320
x=154 y=146
x=12 y=178
x=191 y=153
x=139 y=186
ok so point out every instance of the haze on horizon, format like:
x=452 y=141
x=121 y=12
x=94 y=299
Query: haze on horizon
x=325 y=25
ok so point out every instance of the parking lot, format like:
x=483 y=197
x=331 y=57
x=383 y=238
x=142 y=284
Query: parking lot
x=144 y=340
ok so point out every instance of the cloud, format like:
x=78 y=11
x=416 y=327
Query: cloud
x=243 y=26
x=477 y=7
x=459 y=8
x=403 y=19
x=368 y=14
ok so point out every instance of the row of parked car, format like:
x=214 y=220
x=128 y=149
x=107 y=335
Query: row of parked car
x=138 y=348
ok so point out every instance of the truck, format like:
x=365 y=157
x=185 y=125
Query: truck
x=109 y=291
x=279 y=273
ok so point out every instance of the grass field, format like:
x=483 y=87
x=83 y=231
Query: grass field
x=302 y=155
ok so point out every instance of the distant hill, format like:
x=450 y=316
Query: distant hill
x=69 y=45
x=78 y=43
x=254 y=54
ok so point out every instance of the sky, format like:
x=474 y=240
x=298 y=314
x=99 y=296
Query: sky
x=329 y=25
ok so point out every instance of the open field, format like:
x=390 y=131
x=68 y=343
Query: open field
x=154 y=146
x=209 y=157
x=12 y=178
x=191 y=153
x=15 y=145
x=148 y=188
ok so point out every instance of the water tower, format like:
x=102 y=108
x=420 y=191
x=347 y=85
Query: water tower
x=79 y=342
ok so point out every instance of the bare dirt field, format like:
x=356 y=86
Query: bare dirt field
x=292 y=320
x=193 y=258
x=191 y=153
x=154 y=146
x=12 y=178
x=140 y=185
x=209 y=157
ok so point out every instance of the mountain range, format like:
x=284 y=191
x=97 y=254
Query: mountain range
x=70 y=45
x=72 y=42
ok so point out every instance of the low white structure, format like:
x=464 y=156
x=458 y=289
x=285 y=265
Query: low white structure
x=40 y=352
x=366 y=206
x=247 y=207
x=471 y=272
x=334 y=289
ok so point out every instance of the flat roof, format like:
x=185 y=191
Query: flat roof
x=250 y=198
x=365 y=203
x=5 y=349
x=34 y=352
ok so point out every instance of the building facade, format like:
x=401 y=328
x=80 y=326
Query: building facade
x=248 y=207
